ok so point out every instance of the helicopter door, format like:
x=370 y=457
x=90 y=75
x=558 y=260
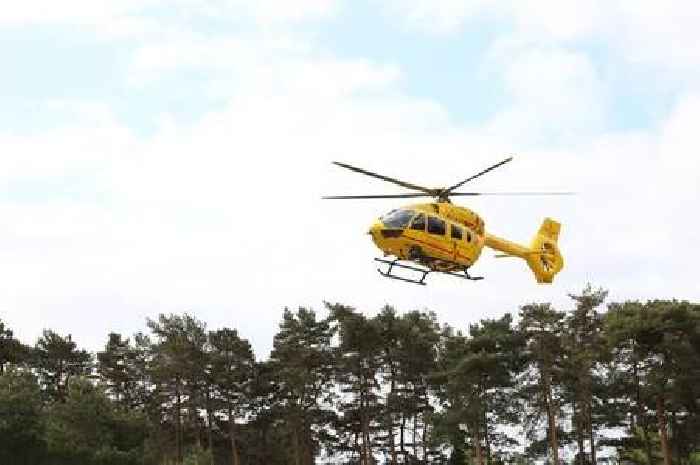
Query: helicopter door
x=456 y=235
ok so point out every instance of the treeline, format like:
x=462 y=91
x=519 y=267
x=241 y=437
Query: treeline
x=598 y=383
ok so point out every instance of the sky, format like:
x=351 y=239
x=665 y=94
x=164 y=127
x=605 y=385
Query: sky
x=168 y=157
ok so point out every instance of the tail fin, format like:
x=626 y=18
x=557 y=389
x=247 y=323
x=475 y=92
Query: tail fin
x=544 y=258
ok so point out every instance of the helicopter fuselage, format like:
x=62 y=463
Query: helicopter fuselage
x=438 y=235
x=446 y=237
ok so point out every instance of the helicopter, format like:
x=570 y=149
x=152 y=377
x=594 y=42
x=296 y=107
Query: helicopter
x=445 y=238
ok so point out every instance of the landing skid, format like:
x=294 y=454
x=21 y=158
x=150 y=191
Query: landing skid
x=424 y=271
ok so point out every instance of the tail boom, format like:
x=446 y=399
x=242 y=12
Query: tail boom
x=542 y=256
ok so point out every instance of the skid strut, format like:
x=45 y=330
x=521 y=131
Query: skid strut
x=424 y=271
x=393 y=263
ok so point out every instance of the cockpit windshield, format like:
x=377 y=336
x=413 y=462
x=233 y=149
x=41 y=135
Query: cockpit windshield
x=397 y=218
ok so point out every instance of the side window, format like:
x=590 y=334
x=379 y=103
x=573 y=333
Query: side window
x=469 y=236
x=456 y=232
x=436 y=226
x=418 y=222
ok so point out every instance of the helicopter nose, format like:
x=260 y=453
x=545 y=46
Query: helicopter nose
x=375 y=228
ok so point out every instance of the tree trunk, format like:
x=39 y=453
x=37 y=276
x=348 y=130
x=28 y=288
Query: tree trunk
x=178 y=427
x=235 y=459
x=364 y=420
x=551 y=417
x=590 y=431
x=424 y=440
x=358 y=449
x=486 y=436
x=389 y=403
x=663 y=434
x=553 y=442
x=295 y=444
x=478 y=455
x=210 y=438
x=59 y=382
x=307 y=455
x=196 y=421
x=641 y=418
x=263 y=441
x=676 y=436
x=403 y=429
x=575 y=415
x=415 y=441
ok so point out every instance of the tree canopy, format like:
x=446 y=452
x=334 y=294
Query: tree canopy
x=598 y=382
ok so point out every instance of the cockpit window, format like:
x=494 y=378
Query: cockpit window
x=418 y=222
x=397 y=218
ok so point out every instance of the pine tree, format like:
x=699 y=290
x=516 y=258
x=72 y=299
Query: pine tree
x=231 y=374
x=177 y=370
x=302 y=361
x=122 y=369
x=87 y=428
x=57 y=359
x=542 y=326
x=659 y=342
x=584 y=348
x=265 y=441
x=11 y=350
x=450 y=424
x=22 y=431
x=358 y=363
x=478 y=375
x=495 y=349
x=389 y=326
x=418 y=342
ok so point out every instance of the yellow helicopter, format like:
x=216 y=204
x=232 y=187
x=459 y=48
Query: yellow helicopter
x=446 y=238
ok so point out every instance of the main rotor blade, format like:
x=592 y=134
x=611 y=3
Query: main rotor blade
x=459 y=184
x=387 y=178
x=387 y=196
x=508 y=193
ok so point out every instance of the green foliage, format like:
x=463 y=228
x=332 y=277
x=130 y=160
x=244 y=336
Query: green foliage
x=477 y=386
x=358 y=363
x=21 y=411
x=11 y=350
x=58 y=359
x=122 y=367
x=542 y=326
x=584 y=371
x=178 y=372
x=87 y=428
x=302 y=362
x=657 y=344
x=197 y=456
x=640 y=447
x=393 y=388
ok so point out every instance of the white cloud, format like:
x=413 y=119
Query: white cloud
x=271 y=11
x=555 y=93
x=68 y=11
x=643 y=32
x=222 y=216
x=279 y=62
x=140 y=18
x=440 y=17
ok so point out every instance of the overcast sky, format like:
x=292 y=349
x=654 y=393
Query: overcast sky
x=169 y=156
